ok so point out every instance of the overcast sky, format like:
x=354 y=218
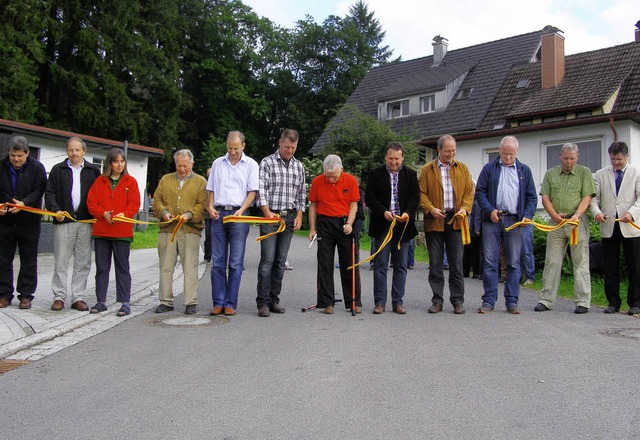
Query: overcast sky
x=412 y=24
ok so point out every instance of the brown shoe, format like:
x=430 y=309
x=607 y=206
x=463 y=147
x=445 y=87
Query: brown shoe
x=399 y=309
x=57 y=305
x=25 y=303
x=458 y=309
x=275 y=308
x=263 y=311
x=217 y=310
x=228 y=311
x=435 y=308
x=328 y=310
x=378 y=309
x=80 y=306
x=4 y=302
x=358 y=310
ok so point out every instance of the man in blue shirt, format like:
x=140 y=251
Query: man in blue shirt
x=506 y=194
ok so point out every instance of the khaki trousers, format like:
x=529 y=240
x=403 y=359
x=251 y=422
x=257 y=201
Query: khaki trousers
x=187 y=247
x=557 y=242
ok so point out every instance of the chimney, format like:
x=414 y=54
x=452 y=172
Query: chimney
x=552 y=57
x=638 y=31
x=439 y=49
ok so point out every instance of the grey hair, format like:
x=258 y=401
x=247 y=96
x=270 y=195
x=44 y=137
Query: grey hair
x=77 y=139
x=569 y=147
x=235 y=133
x=19 y=143
x=332 y=163
x=509 y=138
x=183 y=152
x=443 y=139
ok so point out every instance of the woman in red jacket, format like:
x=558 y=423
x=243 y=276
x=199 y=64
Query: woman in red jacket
x=114 y=194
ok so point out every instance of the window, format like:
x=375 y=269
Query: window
x=523 y=84
x=398 y=109
x=465 y=93
x=428 y=104
x=99 y=162
x=590 y=154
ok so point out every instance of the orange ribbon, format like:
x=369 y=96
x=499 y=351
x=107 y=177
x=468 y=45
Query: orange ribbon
x=260 y=220
x=123 y=219
x=630 y=223
x=466 y=234
x=386 y=240
x=39 y=211
x=573 y=239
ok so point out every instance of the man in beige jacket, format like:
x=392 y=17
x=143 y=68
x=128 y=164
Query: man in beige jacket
x=618 y=197
x=180 y=194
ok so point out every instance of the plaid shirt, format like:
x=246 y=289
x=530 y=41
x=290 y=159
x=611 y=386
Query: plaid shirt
x=282 y=187
x=449 y=197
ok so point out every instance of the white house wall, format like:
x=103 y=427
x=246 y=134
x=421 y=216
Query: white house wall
x=53 y=152
x=532 y=151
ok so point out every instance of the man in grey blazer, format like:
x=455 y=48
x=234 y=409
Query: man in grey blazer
x=618 y=198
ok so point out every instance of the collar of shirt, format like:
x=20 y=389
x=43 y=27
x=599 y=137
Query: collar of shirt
x=508 y=166
x=442 y=165
x=189 y=176
x=79 y=167
x=393 y=172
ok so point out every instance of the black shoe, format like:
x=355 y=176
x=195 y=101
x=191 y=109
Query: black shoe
x=275 y=308
x=189 y=310
x=581 y=310
x=634 y=311
x=612 y=309
x=541 y=308
x=263 y=311
x=163 y=308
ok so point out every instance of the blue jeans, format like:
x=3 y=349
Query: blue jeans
x=528 y=258
x=493 y=235
x=436 y=242
x=381 y=261
x=273 y=254
x=228 y=243
x=411 y=252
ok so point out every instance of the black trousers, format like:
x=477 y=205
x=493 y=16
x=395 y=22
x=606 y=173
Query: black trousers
x=330 y=237
x=23 y=237
x=611 y=249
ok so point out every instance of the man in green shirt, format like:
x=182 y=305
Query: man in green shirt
x=566 y=192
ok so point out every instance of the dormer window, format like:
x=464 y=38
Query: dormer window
x=398 y=109
x=428 y=104
x=465 y=93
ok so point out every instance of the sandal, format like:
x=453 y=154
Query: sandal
x=124 y=310
x=99 y=307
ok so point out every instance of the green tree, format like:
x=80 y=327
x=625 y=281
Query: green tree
x=360 y=141
x=21 y=52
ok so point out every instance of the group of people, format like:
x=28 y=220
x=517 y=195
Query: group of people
x=504 y=196
x=85 y=203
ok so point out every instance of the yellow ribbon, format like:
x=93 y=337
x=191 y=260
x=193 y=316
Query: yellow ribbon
x=260 y=220
x=386 y=240
x=466 y=234
x=65 y=214
x=573 y=240
x=630 y=223
x=39 y=211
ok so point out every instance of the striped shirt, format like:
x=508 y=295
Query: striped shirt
x=449 y=198
x=282 y=187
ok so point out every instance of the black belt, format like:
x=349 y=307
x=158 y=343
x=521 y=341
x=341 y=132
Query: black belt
x=450 y=212
x=283 y=212
x=226 y=208
x=504 y=213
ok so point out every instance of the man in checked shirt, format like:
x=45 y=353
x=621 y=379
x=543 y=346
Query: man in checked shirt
x=282 y=192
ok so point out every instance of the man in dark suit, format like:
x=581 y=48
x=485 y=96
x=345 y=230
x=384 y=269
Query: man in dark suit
x=392 y=190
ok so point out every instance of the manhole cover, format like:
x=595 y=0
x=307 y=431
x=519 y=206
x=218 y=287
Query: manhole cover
x=187 y=321
x=625 y=332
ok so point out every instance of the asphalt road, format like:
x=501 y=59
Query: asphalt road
x=552 y=375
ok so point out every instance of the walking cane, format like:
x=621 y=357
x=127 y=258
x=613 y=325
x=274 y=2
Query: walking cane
x=353 y=275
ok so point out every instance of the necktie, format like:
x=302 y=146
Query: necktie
x=619 y=175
